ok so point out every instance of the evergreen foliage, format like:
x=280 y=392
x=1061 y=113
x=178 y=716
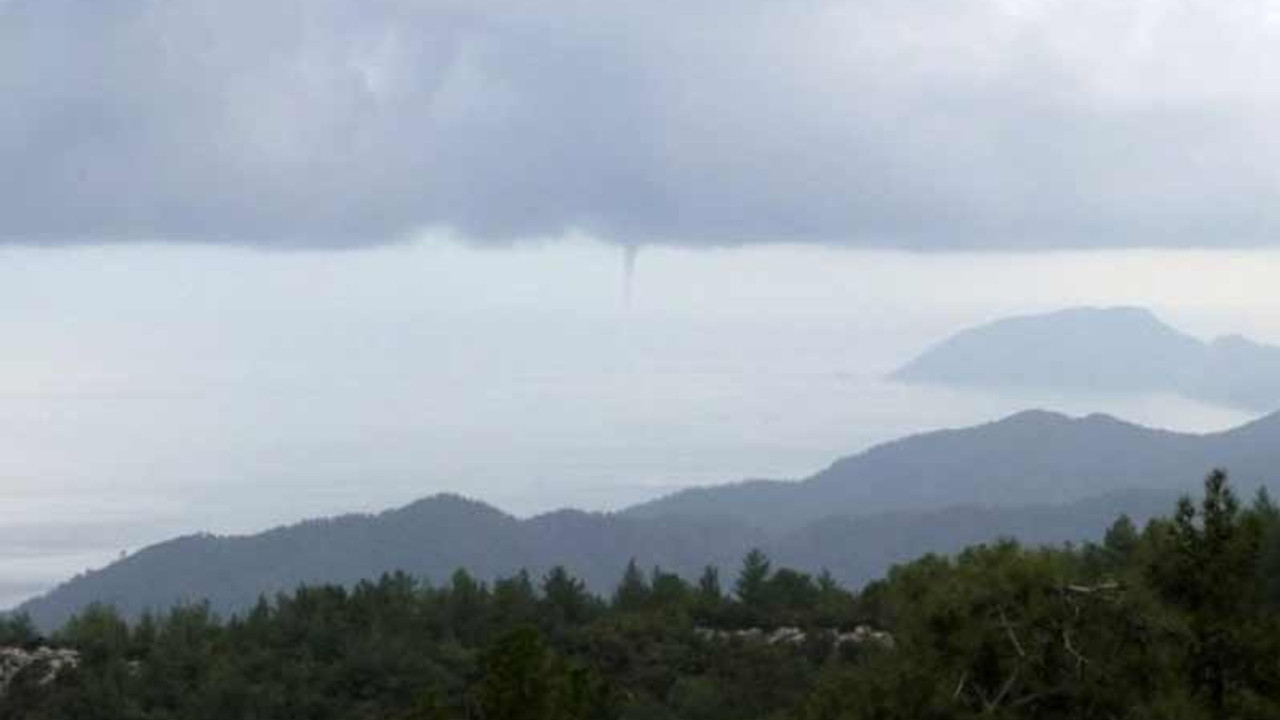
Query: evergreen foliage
x=1179 y=619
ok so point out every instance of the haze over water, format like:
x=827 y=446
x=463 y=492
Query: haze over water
x=149 y=391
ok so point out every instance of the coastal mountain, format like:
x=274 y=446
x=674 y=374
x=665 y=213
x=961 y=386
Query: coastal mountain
x=1036 y=476
x=430 y=538
x=1031 y=458
x=434 y=537
x=1103 y=350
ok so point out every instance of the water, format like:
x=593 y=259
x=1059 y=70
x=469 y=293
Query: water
x=149 y=392
x=503 y=417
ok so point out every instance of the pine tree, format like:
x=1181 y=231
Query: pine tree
x=633 y=591
x=1121 y=539
x=567 y=596
x=516 y=685
x=753 y=580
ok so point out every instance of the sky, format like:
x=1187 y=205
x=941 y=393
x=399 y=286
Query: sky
x=261 y=262
x=930 y=125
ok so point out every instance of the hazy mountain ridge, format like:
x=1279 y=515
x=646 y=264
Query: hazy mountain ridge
x=232 y=572
x=1115 y=350
x=860 y=549
x=1038 y=476
x=1031 y=458
x=430 y=538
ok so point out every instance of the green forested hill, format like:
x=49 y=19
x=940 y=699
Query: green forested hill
x=434 y=537
x=1179 y=619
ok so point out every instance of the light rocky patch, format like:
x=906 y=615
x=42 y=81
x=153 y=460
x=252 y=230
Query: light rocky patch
x=48 y=662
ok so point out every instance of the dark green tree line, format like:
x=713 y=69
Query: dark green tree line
x=1179 y=619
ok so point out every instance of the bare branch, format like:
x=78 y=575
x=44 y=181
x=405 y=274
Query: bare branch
x=1004 y=691
x=1094 y=589
x=1081 y=660
x=1013 y=638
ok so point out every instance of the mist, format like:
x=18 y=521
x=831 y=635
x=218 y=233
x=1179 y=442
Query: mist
x=151 y=390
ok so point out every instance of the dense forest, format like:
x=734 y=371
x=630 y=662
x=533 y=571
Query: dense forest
x=1177 y=619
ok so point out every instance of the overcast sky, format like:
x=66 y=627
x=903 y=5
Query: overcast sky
x=818 y=190
x=929 y=124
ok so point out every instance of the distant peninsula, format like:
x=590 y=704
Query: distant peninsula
x=1124 y=350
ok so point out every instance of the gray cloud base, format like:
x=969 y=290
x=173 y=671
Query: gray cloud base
x=931 y=125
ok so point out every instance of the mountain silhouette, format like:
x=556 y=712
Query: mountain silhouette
x=1034 y=457
x=1103 y=350
x=1037 y=476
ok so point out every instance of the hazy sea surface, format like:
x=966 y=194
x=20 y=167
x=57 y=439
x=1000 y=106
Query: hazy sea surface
x=219 y=391
x=641 y=413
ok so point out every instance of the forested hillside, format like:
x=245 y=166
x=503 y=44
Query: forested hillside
x=432 y=538
x=1177 y=619
x=1030 y=458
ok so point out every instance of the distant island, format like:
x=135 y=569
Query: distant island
x=1106 y=350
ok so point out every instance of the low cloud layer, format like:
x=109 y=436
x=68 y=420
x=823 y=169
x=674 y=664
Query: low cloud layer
x=932 y=124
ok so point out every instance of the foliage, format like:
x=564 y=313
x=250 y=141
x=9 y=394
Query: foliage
x=1174 y=620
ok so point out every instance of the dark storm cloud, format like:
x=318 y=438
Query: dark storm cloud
x=929 y=124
